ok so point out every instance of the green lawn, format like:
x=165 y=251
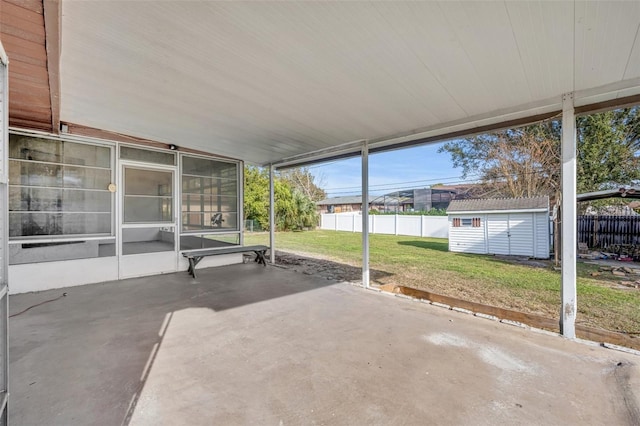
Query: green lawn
x=426 y=263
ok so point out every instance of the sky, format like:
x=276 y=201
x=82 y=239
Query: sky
x=417 y=167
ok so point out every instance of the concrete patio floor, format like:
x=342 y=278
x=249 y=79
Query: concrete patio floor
x=245 y=344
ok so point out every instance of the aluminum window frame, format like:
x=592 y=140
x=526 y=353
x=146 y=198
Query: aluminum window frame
x=239 y=199
x=112 y=146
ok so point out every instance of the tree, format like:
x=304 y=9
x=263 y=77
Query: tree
x=294 y=210
x=608 y=149
x=525 y=162
x=303 y=181
x=256 y=196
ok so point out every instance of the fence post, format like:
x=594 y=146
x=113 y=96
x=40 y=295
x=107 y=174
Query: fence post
x=353 y=223
x=396 y=225
x=422 y=226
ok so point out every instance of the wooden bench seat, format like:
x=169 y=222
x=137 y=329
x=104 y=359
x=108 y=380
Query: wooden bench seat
x=195 y=256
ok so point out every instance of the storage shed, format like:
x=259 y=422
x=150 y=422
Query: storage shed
x=509 y=226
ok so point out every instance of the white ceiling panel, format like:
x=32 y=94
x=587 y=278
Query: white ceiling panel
x=605 y=36
x=264 y=81
x=536 y=25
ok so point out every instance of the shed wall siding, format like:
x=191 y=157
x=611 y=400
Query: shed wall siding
x=467 y=239
x=518 y=234
x=542 y=238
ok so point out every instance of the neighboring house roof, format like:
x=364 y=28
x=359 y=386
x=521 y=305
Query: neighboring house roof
x=355 y=199
x=499 y=204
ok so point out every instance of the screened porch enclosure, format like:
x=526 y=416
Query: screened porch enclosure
x=107 y=207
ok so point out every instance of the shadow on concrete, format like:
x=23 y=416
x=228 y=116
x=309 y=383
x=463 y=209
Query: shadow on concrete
x=326 y=269
x=86 y=357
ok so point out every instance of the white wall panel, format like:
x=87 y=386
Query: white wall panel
x=435 y=226
x=328 y=221
x=409 y=225
x=4 y=179
x=542 y=235
x=425 y=226
x=384 y=224
x=357 y=223
x=344 y=222
x=605 y=36
x=467 y=239
x=4 y=238
x=50 y=275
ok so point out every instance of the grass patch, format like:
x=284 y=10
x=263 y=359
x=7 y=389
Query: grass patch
x=426 y=263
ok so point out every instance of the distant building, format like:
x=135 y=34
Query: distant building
x=436 y=197
x=419 y=199
x=353 y=204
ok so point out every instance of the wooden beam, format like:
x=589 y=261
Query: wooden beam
x=536 y=321
x=52 y=25
x=626 y=102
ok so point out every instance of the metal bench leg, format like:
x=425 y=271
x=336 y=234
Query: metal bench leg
x=193 y=261
x=260 y=257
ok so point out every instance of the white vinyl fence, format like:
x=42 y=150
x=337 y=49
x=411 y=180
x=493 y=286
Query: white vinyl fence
x=416 y=226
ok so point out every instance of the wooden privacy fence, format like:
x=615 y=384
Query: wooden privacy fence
x=606 y=231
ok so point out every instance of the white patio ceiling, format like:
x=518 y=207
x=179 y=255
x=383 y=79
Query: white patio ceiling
x=268 y=81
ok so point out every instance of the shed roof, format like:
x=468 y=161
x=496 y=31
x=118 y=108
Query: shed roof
x=499 y=204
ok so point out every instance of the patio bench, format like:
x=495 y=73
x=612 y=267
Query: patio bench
x=195 y=256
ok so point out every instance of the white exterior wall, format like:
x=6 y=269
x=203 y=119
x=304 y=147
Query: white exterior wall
x=42 y=276
x=542 y=237
x=516 y=234
x=69 y=273
x=467 y=239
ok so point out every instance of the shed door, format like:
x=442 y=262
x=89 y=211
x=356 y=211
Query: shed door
x=4 y=237
x=521 y=238
x=511 y=234
x=498 y=233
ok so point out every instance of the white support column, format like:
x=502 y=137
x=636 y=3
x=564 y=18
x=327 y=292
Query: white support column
x=272 y=217
x=569 y=219
x=365 y=214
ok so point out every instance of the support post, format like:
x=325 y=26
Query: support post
x=365 y=214
x=272 y=217
x=569 y=219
